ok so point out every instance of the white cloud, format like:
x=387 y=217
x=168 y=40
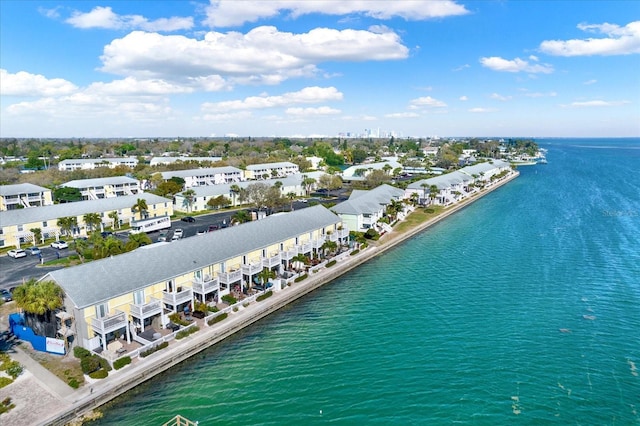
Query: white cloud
x=426 y=101
x=618 y=41
x=533 y=58
x=463 y=98
x=309 y=112
x=264 y=55
x=133 y=86
x=590 y=82
x=50 y=13
x=596 y=103
x=481 y=110
x=238 y=115
x=26 y=84
x=497 y=63
x=540 y=94
x=499 y=97
x=308 y=95
x=402 y=115
x=104 y=17
x=461 y=67
x=227 y=13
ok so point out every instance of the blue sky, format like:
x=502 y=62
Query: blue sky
x=319 y=68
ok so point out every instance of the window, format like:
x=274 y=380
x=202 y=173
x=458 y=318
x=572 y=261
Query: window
x=138 y=297
x=20 y=228
x=44 y=224
x=102 y=310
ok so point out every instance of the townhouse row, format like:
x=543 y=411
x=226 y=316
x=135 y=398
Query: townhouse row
x=127 y=294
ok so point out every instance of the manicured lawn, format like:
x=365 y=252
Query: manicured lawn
x=417 y=217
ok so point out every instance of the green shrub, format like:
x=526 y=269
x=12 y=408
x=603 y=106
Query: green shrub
x=121 y=362
x=218 y=318
x=331 y=263
x=73 y=382
x=353 y=253
x=229 y=299
x=212 y=308
x=187 y=331
x=264 y=296
x=235 y=309
x=300 y=278
x=100 y=374
x=13 y=368
x=80 y=352
x=176 y=319
x=90 y=364
x=6 y=405
x=104 y=363
x=371 y=234
x=154 y=349
x=5 y=381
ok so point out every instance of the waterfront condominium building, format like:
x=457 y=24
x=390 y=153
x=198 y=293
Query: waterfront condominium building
x=109 y=187
x=127 y=294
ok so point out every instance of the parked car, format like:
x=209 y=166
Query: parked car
x=162 y=238
x=212 y=228
x=16 y=253
x=201 y=232
x=59 y=245
x=179 y=232
x=34 y=251
x=106 y=234
x=188 y=219
x=6 y=295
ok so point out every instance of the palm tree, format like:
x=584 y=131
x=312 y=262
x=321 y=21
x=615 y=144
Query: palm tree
x=141 y=207
x=37 y=235
x=329 y=246
x=116 y=219
x=308 y=182
x=66 y=224
x=40 y=299
x=80 y=247
x=92 y=220
x=433 y=192
x=241 y=216
x=137 y=240
x=189 y=197
x=265 y=275
x=424 y=186
x=291 y=196
x=235 y=190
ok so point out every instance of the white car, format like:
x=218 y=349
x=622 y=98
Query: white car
x=179 y=232
x=59 y=245
x=17 y=253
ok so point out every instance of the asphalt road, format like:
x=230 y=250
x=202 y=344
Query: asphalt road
x=14 y=271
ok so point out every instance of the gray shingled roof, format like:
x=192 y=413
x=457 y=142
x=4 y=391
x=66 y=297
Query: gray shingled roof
x=225 y=188
x=463 y=175
x=78 y=208
x=101 y=280
x=368 y=201
x=20 y=188
x=114 y=180
x=200 y=172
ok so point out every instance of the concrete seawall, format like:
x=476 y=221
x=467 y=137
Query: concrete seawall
x=99 y=393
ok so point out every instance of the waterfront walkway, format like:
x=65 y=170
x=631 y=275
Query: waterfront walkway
x=46 y=400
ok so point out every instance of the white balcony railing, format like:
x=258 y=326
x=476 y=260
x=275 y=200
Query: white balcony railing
x=316 y=244
x=289 y=254
x=230 y=277
x=146 y=310
x=109 y=323
x=270 y=262
x=175 y=298
x=206 y=285
x=251 y=268
x=304 y=248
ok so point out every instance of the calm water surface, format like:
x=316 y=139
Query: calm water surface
x=523 y=308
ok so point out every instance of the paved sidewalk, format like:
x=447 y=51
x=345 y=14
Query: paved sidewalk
x=49 y=381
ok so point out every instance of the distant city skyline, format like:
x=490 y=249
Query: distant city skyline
x=319 y=69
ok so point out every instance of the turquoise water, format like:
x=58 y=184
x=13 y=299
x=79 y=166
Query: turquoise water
x=523 y=308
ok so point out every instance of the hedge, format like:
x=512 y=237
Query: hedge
x=100 y=374
x=80 y=352
x=73 y=382
x=264 y=296
x=89 y=364
x=121 y=362
x=353 y=253
x=300 y=278
x=187 y=331
x=217 y=319
x=330 y=264
x=154 y=349
x=229 y=299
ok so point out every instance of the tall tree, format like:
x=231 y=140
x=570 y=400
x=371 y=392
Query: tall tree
x=189 y=198
x=37 y=236
x=141 y=207
x=67 y=224
x=116 y=219
x=92 y=220
x=39 y=299
x=235 y=190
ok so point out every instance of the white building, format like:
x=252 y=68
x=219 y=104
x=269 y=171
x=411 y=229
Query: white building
x=156 y=161
x=206 y=176
x=24 y=195
x=116 y=186
x=271 y=170
x=94 y=163
x=363 y=209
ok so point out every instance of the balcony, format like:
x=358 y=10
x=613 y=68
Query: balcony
x=333 y=237
x=289 y=254
x=342 y=233
x=109 y=323
x=252 y=268
x=146 y=310
x=316 y=244
x=205 y=286
x=304 y=248
x=270 y=262
x=183 y=295
x=230 y=277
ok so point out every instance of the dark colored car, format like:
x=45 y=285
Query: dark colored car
x=188 y=219
x=212 y=228
x=106 y=234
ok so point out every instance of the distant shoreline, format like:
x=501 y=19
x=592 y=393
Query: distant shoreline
x=93 y=396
